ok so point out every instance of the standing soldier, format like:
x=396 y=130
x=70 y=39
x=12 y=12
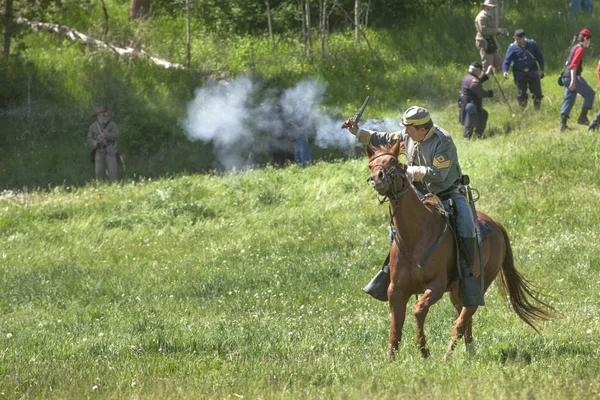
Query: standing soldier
x=574 y=83
x=471 y=113
x=102 y=136
x=487 y=27
x=527 y=67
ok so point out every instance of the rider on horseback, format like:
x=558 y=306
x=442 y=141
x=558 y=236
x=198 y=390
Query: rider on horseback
x=433 y=166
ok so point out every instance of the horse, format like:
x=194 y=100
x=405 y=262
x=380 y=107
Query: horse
x=419 y=228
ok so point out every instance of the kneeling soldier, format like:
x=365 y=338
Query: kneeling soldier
x=471 y=113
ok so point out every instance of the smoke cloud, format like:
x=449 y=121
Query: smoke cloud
x=242 y=119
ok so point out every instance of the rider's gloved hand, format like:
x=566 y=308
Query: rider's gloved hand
x=417 y=173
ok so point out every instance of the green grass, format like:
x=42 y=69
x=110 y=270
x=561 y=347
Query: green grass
x=248 y=284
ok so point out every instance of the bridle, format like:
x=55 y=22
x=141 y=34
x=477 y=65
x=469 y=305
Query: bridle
x=390 y=177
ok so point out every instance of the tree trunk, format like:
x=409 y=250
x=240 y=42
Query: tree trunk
x=139 y=9
x=105 y=21
x=6 y=31
x=188 y=33
x=308 y=27
x=322 y=26
x=367 y=13
x=356 y=20
x=270 y=24
x=303 y=10
x=78 y=36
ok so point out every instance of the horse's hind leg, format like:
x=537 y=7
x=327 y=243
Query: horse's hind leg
x=469 y=345
x=430 y=297
x=462 y=326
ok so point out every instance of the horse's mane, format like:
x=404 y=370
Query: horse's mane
x=390 y=149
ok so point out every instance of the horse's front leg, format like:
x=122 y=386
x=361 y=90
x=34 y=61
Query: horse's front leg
x=398 y=300
x=430 y=297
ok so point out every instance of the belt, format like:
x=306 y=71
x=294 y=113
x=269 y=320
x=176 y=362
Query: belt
x=446 y=194
x=524 y=69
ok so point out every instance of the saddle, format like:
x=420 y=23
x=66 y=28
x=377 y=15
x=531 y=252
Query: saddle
x=434 y=201
x=481 y=226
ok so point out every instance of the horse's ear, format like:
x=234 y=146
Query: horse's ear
x=399 y=148
x=369 y=151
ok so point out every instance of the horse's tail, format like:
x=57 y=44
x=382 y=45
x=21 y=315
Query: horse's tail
x=522 y=294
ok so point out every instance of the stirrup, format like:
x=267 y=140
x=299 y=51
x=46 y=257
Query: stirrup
x=379 y=284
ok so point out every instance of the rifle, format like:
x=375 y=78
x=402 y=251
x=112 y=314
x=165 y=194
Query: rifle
x=503 y=96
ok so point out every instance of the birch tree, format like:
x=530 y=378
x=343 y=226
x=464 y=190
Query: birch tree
x=356 y=20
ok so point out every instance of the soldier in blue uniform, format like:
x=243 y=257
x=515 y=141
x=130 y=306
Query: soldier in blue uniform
x=471 y=113
x=433 y=167
x=527 y=66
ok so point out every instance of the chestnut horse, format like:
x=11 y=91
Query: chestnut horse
x=419 y=228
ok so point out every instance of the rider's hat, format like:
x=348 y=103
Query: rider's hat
x=415 y=116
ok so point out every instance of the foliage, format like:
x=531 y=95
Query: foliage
x=52 y=83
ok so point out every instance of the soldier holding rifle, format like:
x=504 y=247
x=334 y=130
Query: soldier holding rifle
x=102 y=136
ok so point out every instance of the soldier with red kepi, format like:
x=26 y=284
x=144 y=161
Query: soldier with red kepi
x=574 y=83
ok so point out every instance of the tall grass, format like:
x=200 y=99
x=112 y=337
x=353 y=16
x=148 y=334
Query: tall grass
x=248 y=284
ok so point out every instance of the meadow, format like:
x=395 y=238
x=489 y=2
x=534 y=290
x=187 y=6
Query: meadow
x=182 y=281
x=247 y=284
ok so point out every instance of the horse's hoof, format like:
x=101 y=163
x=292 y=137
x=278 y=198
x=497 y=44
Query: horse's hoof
x=470 y=349
x=392 y=354
x=425 y=352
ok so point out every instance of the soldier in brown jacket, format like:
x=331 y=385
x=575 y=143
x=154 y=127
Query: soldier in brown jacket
x=102 y=136
x=486 y=23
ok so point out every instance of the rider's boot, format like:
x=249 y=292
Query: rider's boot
x=468 y=290
x=379 y=285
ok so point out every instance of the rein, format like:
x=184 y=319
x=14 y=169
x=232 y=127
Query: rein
x=391 y=177
x=395 y=196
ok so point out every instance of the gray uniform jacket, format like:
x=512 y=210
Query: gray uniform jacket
x=436 y=152
x=486 y=25
x=112 y=134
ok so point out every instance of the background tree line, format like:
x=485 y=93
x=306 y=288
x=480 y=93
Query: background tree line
x=403 y=52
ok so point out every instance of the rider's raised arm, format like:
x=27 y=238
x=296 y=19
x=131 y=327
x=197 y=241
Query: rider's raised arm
x=380 y=139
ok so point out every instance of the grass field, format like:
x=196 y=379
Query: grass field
x=247 y=284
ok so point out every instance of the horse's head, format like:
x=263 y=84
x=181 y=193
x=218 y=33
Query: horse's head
x=388 y=174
